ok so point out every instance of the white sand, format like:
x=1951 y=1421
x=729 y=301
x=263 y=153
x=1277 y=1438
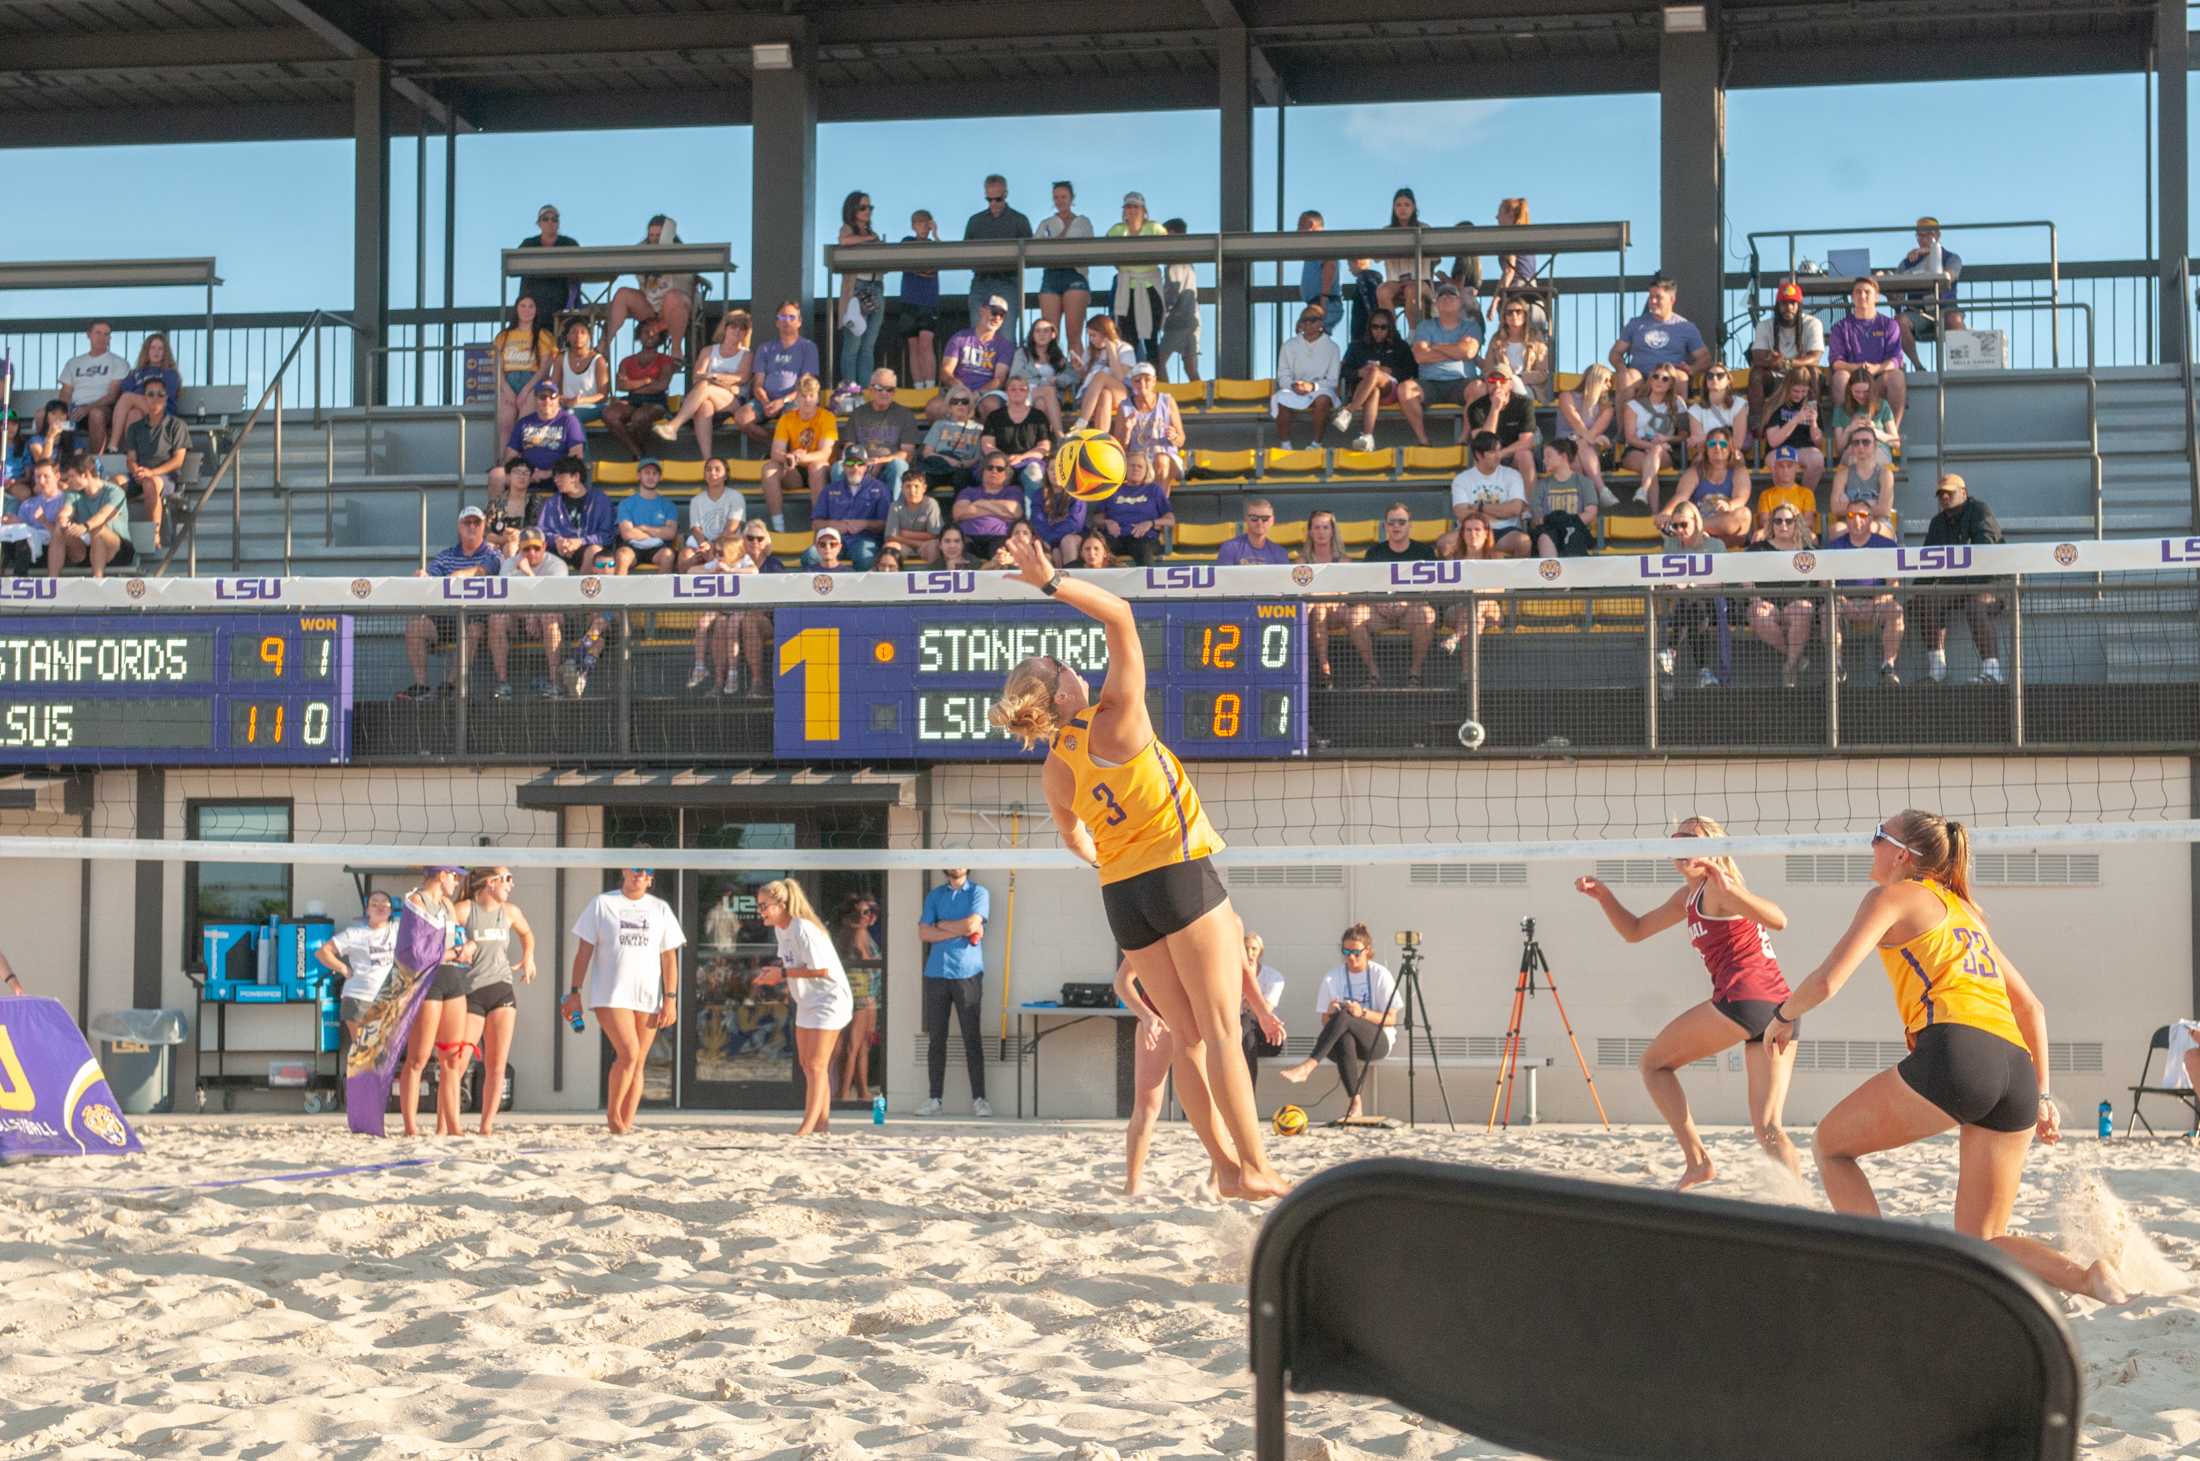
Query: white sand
x=713 y=1288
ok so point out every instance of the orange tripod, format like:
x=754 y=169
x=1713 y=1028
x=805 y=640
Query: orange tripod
x=1532 y=963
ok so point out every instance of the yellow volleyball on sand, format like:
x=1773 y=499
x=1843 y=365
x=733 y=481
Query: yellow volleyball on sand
x=1290 y=1121
x=1089 y=465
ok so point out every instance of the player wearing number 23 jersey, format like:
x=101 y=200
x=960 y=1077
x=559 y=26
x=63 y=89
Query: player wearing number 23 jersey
x=1143 y=814
x=1947 y=975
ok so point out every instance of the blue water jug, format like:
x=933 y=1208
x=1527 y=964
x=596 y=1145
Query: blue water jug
x=878 y=1109
x=2108 y=1121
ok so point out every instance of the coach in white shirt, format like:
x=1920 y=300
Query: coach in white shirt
x=1357 y=1005
x=627 y=970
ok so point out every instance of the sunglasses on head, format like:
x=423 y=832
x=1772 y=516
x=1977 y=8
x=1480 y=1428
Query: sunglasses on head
x=1879 y=835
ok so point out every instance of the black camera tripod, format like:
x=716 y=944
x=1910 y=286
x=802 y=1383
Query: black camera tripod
x=1532 y=963
x=1412 y=1006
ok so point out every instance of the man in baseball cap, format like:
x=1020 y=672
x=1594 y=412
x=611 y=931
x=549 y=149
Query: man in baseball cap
x=1788 y=338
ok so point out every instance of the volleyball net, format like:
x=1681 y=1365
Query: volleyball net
x=1436 y=711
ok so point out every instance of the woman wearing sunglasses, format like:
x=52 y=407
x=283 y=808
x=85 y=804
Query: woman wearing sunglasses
x=626 y=970
x=493 y=926
x=1784 y=623
x=1978 y=1046
x=1731 y=929
x=1357 y=1003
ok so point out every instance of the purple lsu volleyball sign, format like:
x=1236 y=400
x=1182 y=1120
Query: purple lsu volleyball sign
x=54 y=1100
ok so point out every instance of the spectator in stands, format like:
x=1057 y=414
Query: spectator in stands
x=953 y=446
x=920 y=307
x=533 y=560
x=888 y=559
x=1962 y=519
x=887 y=430
x=524 y=351
x=1149 y=426
x=856 y=501
x=739 y=639
x=645 y=377
x=1138 y=517
x=997 y=221
x=1930 y=258
x=646 y=525
x=1324 y=544
x=718 y=384
x=93 y=524
x=1472 y=541
x=721 y=555
x=824 y=555
x=1882 y=609
x=547 y=435
x=1520 y=345
x=1040 y=364
x=470 y=557
x=1788 y=337
x=1785 y=490
x=1004 y=557
x=977 y=358
x=1447 y=349
x=1562 y=506
x=1517 y=274
x=1019 y=431
x=155 y=363
x=1059 y=521
x=1106 y=372
x=1721 y=409
x=1491 y=492
x=1179 y=313
x=1138 y=306
x=776 y=369
x=154 y=449
x=1359 y=1011
x=1656 y=341
x=509 y=485
x=1693 y=616
x=1379 y=370
x=1791 y=419
x=579 y=520
x=1318 y=287
x=862 y=312
x=1866 y=342
x=914 y=520
x=1065 y=293
x=1307 y=368
x=1415 y=616
x=715 y=515
x=30 y=526
x=1864 y=476
x=1505 y=410
x=1400 y=289
x=1586 y=417
x=90 y=383
x=49 y=438
x=1252 y=544
x=1656 y=427
x=1718 y=488
x=667 y=297
x=803 y=443
x=1093 y=553
x=986 y=509
x=1785 y=623
x=954 y=552
x=553 y=294
x=1858 y=407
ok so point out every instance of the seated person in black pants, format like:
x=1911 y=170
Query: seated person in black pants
x=1259 y=1026
x=1358 y=1010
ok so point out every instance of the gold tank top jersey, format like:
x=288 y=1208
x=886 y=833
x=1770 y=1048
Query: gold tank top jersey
x=1142 y=814
x=1948 y=975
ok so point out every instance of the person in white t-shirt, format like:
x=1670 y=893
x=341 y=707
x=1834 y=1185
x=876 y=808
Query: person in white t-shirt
x=362 y=954
x=1259 y=1026
x=628 y=958
x=1358 y=1008
x=91 y=383
x=533 y=560
x=823 y=1003
x=1494 y=493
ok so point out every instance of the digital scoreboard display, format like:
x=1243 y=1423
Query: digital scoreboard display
x=113 y=690
x=915 y=683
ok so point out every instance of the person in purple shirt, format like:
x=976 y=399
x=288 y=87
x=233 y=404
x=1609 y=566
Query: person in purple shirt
x=1882 y=609
x=978 y=357
x=470 y=557
x=1134 y=519
x=548 y=435
x=1253 y=545
x=986 y=510
x=1059 y=520
x=776 y=367
x=855 y=501
x=1866 y=340
x=1656 y=338
x=579 y=519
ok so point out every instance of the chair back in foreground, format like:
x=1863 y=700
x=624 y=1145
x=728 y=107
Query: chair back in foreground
x=1580 y=1321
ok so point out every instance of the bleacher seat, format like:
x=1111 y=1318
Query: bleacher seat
x=1430 y=460
x=1223 y=466
x=912 y=398
x=1347 y=465
x=1630 y=532
x=1198 y=541
x=745 y=471
x=1542 y=614
x=1289 y=463
x=1617 y=615
x=1241 y=397
x=1189 y=395
x=1292 y=534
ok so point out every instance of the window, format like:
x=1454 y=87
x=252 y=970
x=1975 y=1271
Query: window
x=232 y=892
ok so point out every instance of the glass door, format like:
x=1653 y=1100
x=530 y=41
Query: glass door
x=740 y=1051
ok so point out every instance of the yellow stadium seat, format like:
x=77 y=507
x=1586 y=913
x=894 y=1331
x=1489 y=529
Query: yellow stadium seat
x=739 y=471
x=1189 y=395
x=1225 y=466
x=1242 y=396
x=1208 y=536
x=1359 y=533
x=913 y=399
x=790 y=545
x=1435 y=459
x=1741 y=378
x=690 y=472
x=615 y=474
x=1349 y=465
x=1284 y=461
x=1629 y=527
x=1429 y=529
x=1618 y=615
x=1567 y=380
x=1291 y=535
x=1548 y=614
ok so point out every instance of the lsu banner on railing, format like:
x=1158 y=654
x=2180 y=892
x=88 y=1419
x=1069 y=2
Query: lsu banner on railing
x=1163 y=581
x=54 y=1099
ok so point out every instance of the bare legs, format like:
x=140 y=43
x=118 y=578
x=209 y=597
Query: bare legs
x=631 y=1035
x=440 y=1021
x=813 y=1051
x=495 y=1034
x=855 y=1080
x=1694 y=1033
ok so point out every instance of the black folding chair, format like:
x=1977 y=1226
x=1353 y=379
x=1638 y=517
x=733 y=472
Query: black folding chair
x=2183 y=1093
x=1579 y=1321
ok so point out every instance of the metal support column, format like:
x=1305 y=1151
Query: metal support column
x=2173 y=187
x=420 y=258
x=370 y=229
x=783 y=183
x=1233 y=289
x=450 y=371
x=148 y=963
x=1691 y=161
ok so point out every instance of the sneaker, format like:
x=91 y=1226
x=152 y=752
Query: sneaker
x=1888 y=677
x=665 y=431
x=504 y=690
x=981 y=1108
x=698 y=677
x=576 y=681
x=1342 y=421
x=1989 y=673
x=1363 y=442
x=732 y=685
x=1667 y=659
x=1707 y=678
x=1790 y=677
x=930 y=1108
x=1936 y=665
x=546 y=687
x=414 y=691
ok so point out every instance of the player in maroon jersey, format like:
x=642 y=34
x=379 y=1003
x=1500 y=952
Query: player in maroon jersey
x=1730 y=927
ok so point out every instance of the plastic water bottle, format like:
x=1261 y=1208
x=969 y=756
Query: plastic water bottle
x=2108 y=1121
x=579 y=1024
x=878 y=1109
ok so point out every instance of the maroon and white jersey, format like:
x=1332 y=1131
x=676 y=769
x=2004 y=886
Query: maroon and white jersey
x=1738 y=953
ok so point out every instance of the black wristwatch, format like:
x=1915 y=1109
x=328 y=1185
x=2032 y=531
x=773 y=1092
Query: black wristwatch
x=1053 y=585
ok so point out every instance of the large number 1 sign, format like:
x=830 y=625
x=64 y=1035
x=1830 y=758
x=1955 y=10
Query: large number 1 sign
x=816 y=652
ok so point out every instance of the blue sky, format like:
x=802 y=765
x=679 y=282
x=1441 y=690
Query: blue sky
x=277 y=216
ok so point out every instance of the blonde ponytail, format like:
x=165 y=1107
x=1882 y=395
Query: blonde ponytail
x=1942 y=849
x=1025 y=707
x=788 y=892
x=1700 y=826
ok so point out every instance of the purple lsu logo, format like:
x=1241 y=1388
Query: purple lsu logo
x=941 y=581
x=256 y=590
x=1943 y=557
x=1673 y=565
x=476 y=587
x=21 y=589
x=1181 y=575
x=1421 y=575
x=707 y=586
x=2181 y=550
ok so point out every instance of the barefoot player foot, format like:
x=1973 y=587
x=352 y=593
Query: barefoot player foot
x=1253 y=1185
x=1698 y=1173
x=2104 y=1283
x=1297 y=1074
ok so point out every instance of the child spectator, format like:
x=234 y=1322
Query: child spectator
x=802 y=449
x=914 y=520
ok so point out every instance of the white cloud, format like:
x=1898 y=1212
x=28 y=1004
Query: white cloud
x=1433 y=126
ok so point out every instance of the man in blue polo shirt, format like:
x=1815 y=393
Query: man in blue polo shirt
x=954 y=977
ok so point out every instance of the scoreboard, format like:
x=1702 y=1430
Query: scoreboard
x=1224 y=679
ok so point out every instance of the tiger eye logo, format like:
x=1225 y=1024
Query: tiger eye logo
x=1302 y=575
x=1549 y=570
x=2066 y=553
x=102 y=1122
x=1069 y=743
x=362 y=587
x=591 y=586
x=135 y=588
x=1805 y=562
x=823 y=583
